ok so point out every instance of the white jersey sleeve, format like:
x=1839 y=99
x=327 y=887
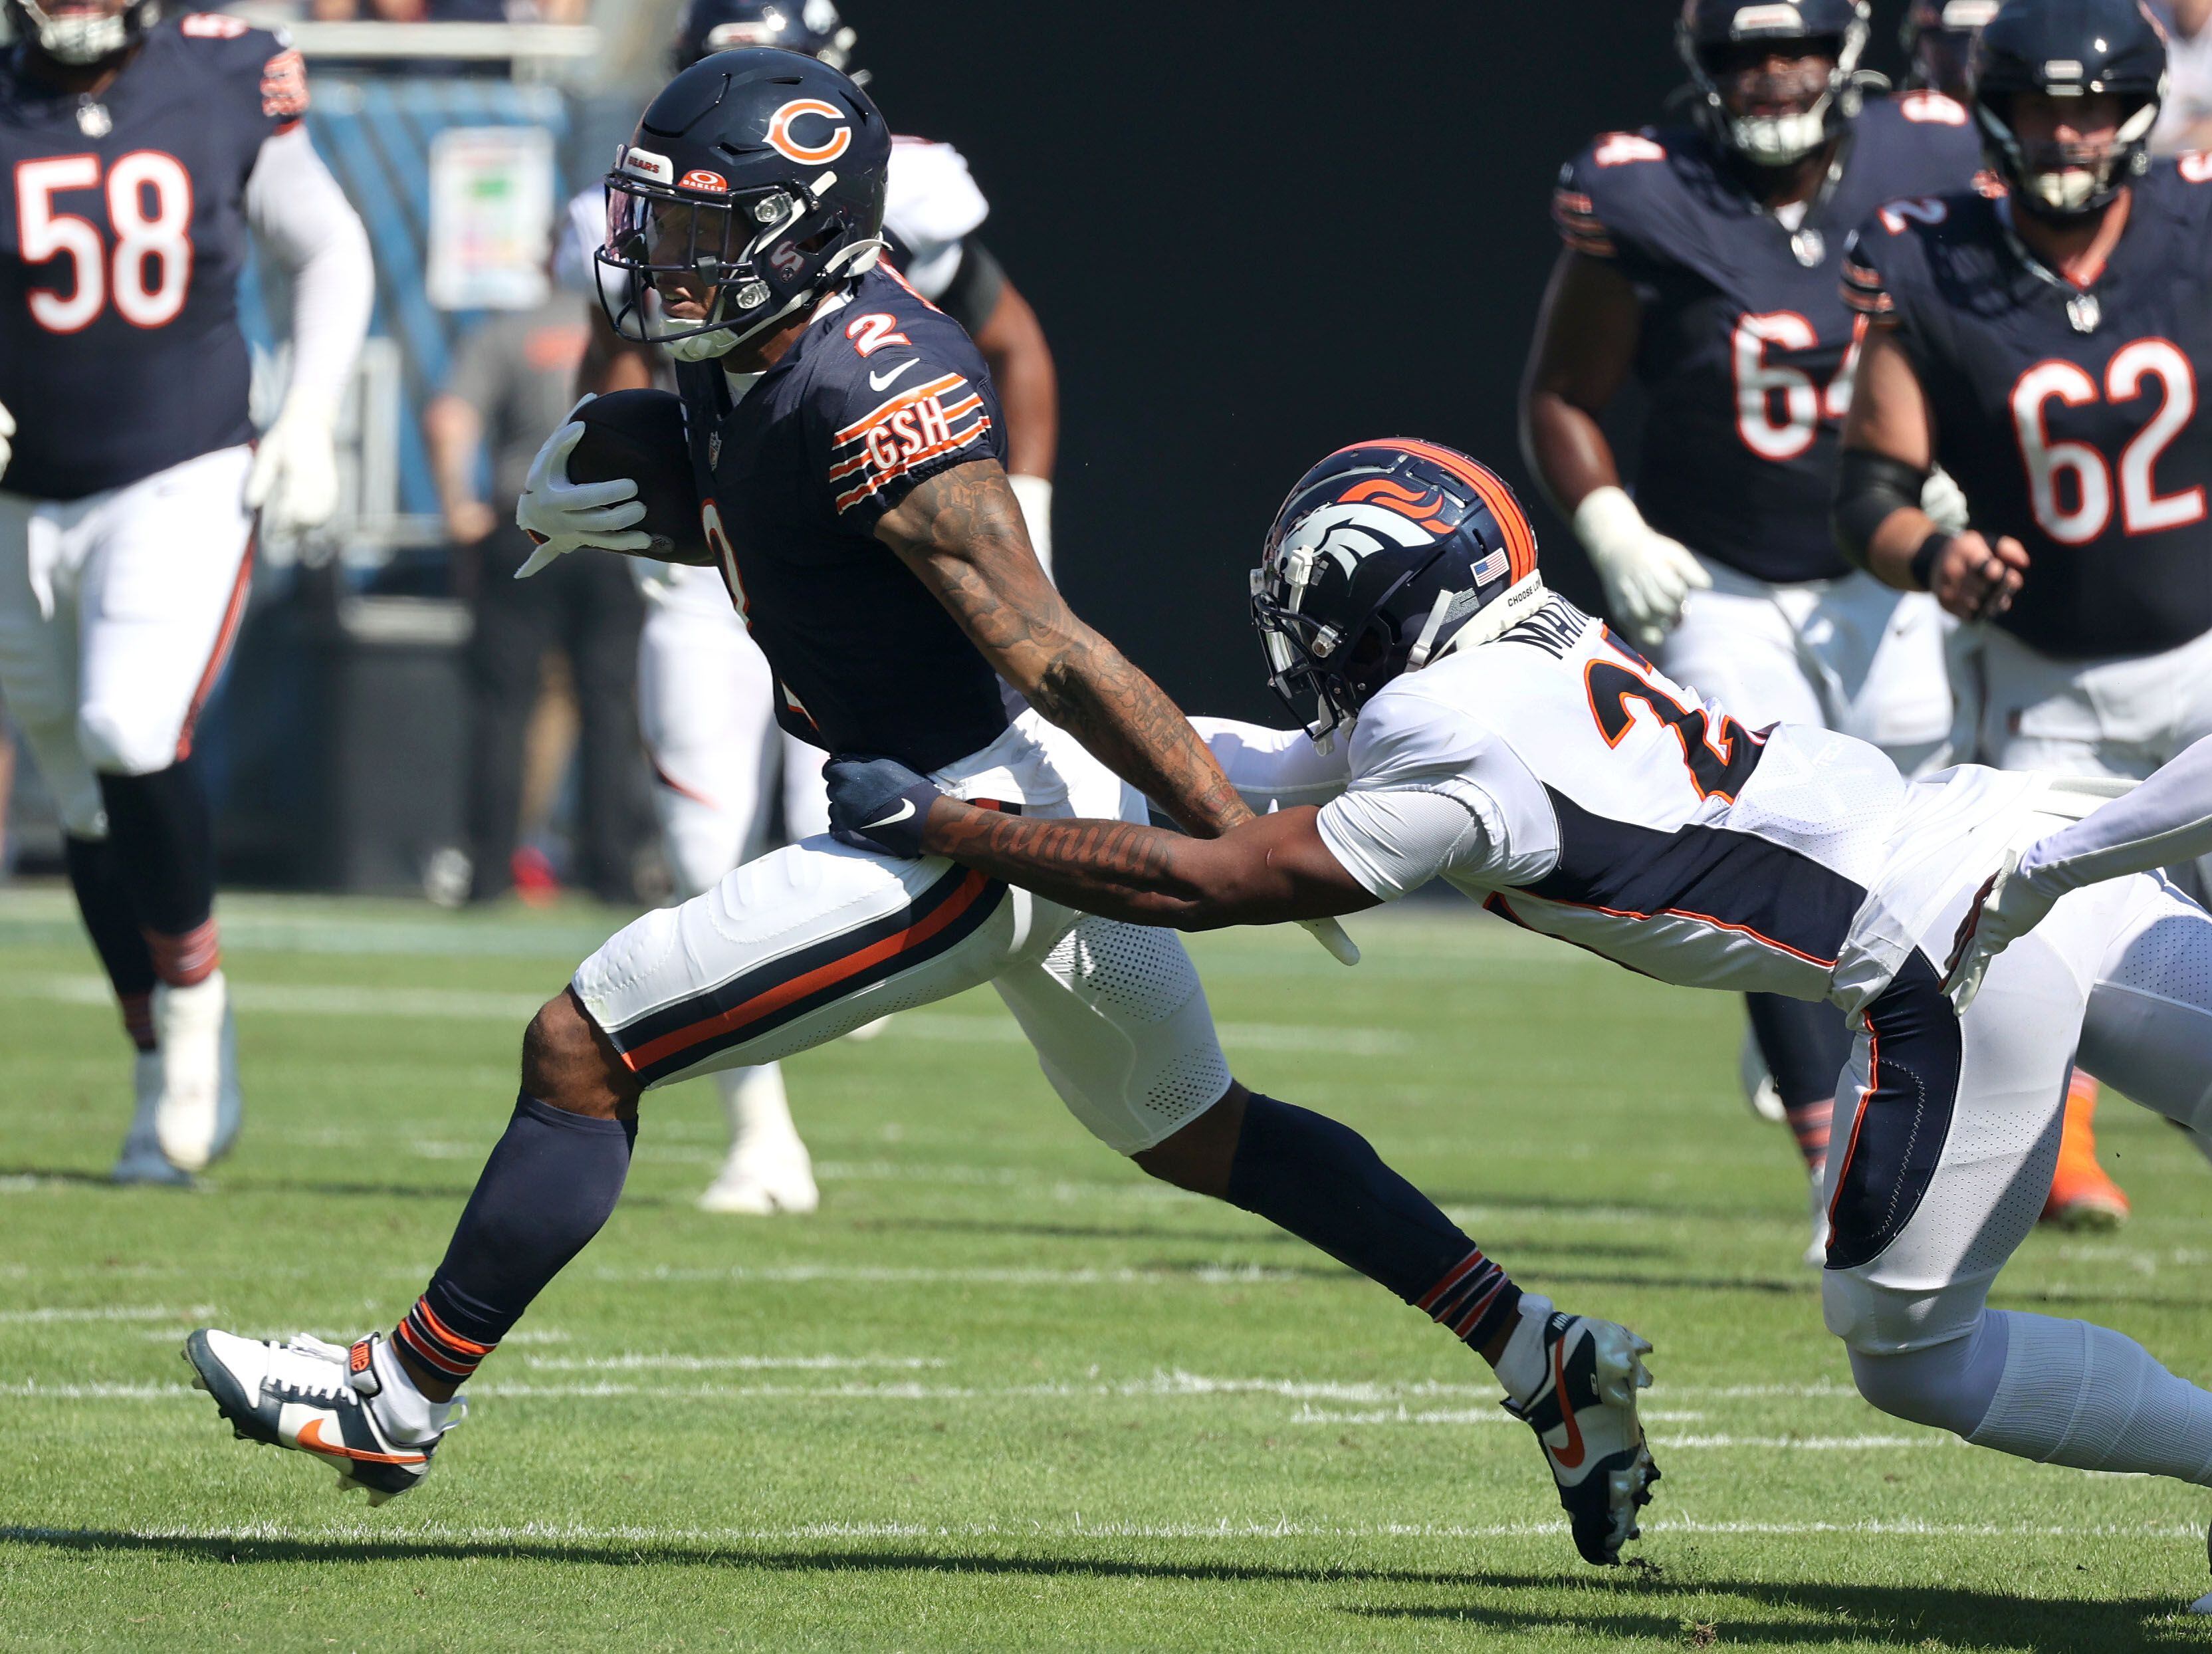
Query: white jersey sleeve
x=1434 y=794
x=578 y=237
x=931 y=205
x=1274 y=768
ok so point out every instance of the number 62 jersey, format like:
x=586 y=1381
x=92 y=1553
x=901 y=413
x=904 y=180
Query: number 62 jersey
x=123 y=232
x=2070 y=416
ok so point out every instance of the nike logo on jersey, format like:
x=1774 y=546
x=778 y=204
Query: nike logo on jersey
x=879 y=381
x=905 y=809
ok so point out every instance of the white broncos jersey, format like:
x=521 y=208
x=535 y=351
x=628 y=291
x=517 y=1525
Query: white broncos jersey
x=1558 y=778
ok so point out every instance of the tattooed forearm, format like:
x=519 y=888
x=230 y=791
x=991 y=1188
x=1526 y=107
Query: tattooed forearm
x=962 y=532
x=1110 y=867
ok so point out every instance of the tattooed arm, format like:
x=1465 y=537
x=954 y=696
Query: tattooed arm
x=962 y=532
x=1273 y=868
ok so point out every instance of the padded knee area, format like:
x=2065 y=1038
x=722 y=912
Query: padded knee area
x=121 y=741
x=1948 y=1386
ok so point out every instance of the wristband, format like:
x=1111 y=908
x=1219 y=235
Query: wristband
x=1923 y=561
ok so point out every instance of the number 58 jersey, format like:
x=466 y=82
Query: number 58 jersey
x=2071 y=417
x=122 y=234
x=1557 y=777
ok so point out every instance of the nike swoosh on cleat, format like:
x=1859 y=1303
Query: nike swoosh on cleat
x=310 y=1438
x=879 y=381
x=905 y=809
x=1571 y=1456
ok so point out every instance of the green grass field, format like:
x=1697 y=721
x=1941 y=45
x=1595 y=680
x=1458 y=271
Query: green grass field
x=1003 y=1392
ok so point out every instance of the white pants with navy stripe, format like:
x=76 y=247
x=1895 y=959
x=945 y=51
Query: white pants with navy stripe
x=1947 y=1128
x=802 y=945
x=116 y=611
x=1850 y=654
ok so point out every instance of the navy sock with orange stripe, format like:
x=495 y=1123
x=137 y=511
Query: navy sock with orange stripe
x=1324 y=1183
x=550 y=1184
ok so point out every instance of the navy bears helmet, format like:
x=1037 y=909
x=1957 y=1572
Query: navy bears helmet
x=2069 y=48
x=812 y=27
x=754 y=186
x=78 y=36
x=1773 y=119
x=1379 y=561
x=1938 y=37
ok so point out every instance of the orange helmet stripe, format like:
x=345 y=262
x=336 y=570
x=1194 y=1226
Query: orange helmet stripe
x=1512 y=521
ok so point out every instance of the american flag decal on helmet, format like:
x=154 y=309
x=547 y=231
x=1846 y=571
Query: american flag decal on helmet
x=936 y=417
x=1495 y=566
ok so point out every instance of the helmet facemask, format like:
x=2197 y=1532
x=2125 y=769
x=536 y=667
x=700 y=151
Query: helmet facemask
x=2062 y=179
x=741 y=258
x=1311 y=663
x=84 y=34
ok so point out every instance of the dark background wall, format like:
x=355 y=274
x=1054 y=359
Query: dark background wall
x=1256 y=233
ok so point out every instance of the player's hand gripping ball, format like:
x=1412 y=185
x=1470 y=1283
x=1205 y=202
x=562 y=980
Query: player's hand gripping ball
x=618 y=477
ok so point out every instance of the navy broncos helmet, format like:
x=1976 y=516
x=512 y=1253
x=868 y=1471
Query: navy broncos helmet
x=812 y=27
x=754 y=186
x=1381 y=560
x=1938 y=37
x=1775 y=120
x=2069 y=48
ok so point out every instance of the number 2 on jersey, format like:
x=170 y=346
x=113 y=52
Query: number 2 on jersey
x=149 y=205
x=1719 y=761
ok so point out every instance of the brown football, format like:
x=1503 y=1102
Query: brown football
x=640 y=434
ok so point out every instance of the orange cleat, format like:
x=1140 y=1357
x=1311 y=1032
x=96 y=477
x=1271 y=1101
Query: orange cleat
x=2081 y=1195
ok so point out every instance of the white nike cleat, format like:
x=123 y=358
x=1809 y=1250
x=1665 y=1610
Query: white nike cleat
x=762 y=1179
x=188 y=1028
x=1584 y=1417
x=318 y=1398
x=141 y=1160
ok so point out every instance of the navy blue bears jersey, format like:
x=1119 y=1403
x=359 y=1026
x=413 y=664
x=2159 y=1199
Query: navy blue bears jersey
x=2087 y=447
x=874 y=399
x=122 y=234
x=1746 y=348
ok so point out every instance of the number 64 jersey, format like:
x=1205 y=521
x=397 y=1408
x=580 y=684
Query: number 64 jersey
x=2070 y=416
x=123 y=232
x=1558 y=778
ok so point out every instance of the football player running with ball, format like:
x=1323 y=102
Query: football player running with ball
x=1703 y=261
x=135 y=156
x=1491 y=734
x=2046 y=344
x=706 y=694
x=846 y=440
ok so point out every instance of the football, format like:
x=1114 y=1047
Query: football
x=640 y=434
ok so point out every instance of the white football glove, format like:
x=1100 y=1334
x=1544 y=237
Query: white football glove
x=2008 y=905
x=564 y=515
x=294 y=483
x=1647 y=576
x=7 y=430
x=1035 y=495
x=1944 y=501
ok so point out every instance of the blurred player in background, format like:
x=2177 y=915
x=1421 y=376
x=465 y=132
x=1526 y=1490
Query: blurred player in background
x=135 y=156
x=1938 y=38
x=706 y=697
x=2047 y=349
x=1702 y=260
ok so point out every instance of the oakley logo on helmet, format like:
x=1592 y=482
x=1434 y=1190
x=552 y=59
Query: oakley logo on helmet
x=700 y=178
x=785 y=141
x=643 y=163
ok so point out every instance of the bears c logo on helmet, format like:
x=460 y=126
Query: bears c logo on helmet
x=785 y=141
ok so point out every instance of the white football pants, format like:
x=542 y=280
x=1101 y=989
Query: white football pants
x=117 y=613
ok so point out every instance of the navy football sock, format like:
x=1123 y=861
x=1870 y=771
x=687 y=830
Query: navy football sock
x=164 y=838
x=1324 y=1184
x=549 y=1185
x=111 y=919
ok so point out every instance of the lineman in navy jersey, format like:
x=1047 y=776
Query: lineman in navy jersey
x=847 y=439
x=1487 y=734
x=2045 y=344
x=1699 y=259
x=134 y=159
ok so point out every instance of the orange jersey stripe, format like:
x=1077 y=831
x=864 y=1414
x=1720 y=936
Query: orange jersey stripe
x=852 y=497
x=867 y=422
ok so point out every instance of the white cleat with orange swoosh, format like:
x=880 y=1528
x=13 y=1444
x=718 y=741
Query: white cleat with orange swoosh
x=318 y=1398
x=1584 y=1417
